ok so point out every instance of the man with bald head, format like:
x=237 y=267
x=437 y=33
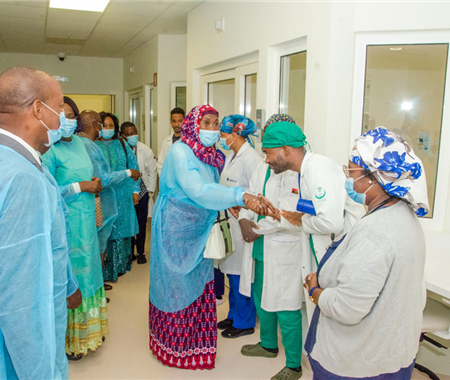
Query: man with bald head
x=91 y=128
x=35 y=272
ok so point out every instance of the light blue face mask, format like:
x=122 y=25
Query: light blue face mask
x=132 y=140
x=357 y=197
x=54 y=135
x=107 y=133
x=223 y=143
x=208 y=138
x=68 y=127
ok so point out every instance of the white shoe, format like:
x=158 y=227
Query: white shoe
x=219 y=301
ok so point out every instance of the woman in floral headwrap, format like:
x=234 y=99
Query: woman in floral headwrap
x=369 y=286
x=182 y=312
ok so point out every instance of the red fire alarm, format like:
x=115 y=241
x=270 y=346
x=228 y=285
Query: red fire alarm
x=155 y=79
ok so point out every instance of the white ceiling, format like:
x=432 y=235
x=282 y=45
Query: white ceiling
x=32 y=27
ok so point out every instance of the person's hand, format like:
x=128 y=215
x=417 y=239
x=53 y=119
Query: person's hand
x=311 y=281
x=235 y=211
x=94 y=186
x=293 y=217
x=247 y=230
x=135 y=175
x=260 y=204
x=135 y=198
x=74 y=300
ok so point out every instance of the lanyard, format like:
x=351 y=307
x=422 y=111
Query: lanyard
x=264 y=189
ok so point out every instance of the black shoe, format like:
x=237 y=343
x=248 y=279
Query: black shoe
x=233 y=332
x=133 y=257
x=74 y=357
x=141 y=259
x=225 y=324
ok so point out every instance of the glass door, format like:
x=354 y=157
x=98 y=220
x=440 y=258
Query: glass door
x=137 y=114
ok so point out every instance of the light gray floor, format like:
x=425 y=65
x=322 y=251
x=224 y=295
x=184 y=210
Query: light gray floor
x=125 y=353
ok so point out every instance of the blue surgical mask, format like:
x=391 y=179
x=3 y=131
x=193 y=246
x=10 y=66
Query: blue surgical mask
x=54 y=135
x=357 y=197
x=68 y=127
x=223 y=143
x=107 y=133
x=208 y=138
x=132 y=140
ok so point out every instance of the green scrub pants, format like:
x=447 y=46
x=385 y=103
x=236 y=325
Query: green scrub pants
x=290 y=324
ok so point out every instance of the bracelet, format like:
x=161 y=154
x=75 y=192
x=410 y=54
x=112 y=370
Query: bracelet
x=312 y=290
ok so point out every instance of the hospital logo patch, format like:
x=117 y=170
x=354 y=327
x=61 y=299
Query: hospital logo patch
x=320 y=193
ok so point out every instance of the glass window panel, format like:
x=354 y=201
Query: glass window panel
x=292 y=86
x=221 y=96
x=250 y=96
x=404 y=92
x=180 y=97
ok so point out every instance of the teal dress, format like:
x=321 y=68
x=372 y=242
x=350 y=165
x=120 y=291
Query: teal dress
x=69 y=162
x=118 y=251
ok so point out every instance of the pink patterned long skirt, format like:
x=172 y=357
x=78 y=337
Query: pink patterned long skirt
x=187 y=338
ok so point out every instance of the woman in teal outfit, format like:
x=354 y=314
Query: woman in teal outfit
x=69 y=162
x=120 y=157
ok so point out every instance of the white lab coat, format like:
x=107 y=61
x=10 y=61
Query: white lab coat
x=237 y=171
x=167 y=143
x=323 y=182
x=147 y=166
x=282 y=283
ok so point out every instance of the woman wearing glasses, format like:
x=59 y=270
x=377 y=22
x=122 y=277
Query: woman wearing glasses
x=182 y=312
x=369 y=286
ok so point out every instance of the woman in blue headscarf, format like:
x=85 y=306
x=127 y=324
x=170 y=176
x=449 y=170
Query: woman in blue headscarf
x=240 y=164
x=369 y=286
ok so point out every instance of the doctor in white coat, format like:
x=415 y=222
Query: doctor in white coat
x=327 y=213
x=147 y=167
x=272 y=261
x=177 y=116
x=240 y=165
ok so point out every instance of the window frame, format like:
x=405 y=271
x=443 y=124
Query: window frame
x=362 y=40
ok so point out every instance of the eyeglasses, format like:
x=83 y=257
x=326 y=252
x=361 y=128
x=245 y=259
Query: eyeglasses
x=347 y=170
x=209 y=125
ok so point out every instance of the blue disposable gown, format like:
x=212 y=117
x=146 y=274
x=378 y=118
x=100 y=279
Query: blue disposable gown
x=110 y=180
x=69 y=162
x=35 y=272
x=185 y=211
x=126 y=224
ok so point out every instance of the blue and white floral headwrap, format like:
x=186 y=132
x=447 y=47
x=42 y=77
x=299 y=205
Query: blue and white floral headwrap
x=395 y=165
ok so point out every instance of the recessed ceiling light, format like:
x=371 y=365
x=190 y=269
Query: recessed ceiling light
x=407 y=106
x=395 y=48
x=80 y=5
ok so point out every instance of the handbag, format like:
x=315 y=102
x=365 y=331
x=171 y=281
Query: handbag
x=220 y=241
x=98 y=212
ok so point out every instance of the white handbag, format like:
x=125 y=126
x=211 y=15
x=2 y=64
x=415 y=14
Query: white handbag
x=220 y=241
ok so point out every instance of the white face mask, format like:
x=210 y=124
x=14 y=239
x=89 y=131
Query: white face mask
x=54 y=135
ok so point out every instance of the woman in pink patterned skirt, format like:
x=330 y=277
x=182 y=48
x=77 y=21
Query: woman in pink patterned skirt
x=182 y=312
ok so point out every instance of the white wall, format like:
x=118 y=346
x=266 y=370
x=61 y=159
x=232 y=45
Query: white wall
x=171 y=68
x=166 y=56
x=87 y=75
x=330 y=30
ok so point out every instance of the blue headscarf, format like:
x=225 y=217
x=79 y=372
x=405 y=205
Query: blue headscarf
x=243 y=126
x=395 y=166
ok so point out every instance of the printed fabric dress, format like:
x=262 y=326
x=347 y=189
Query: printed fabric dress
x=118 y=250
x=69 y=163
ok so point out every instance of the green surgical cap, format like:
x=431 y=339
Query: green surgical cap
x=283 y=133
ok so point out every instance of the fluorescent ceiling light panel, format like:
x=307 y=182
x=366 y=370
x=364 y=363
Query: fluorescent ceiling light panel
x=80 y=5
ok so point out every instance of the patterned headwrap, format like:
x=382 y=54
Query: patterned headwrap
x=190 y=136
x=72 y=104
x=395 y=166
x=277 y=117
x=243 y=126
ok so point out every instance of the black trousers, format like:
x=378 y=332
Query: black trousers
x=142 y=213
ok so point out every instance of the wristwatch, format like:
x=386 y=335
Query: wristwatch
x=311 y=293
